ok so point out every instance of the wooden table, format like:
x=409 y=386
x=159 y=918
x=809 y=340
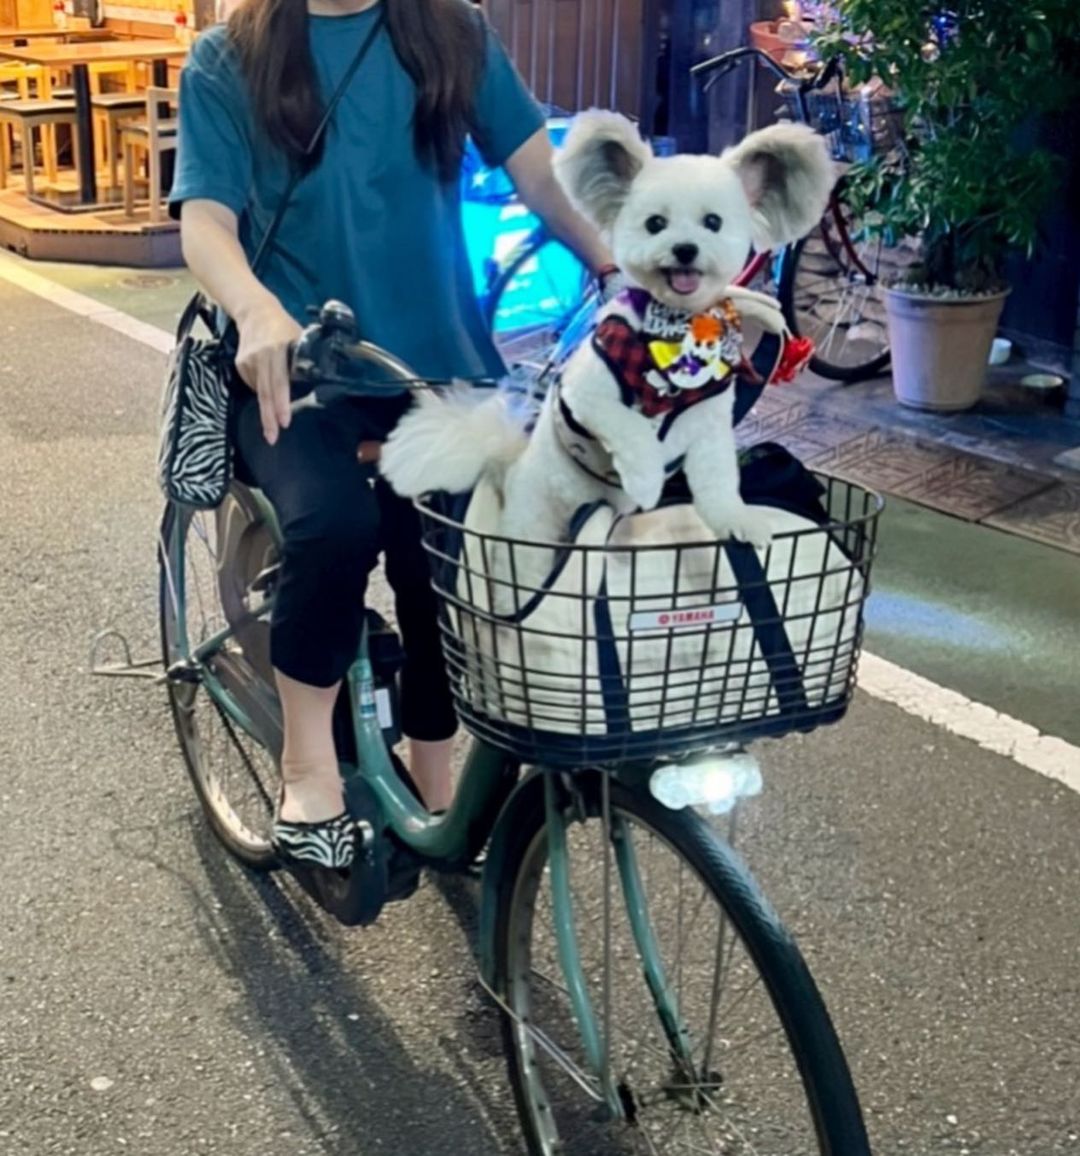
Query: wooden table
x=79 y=57
x=9 y=33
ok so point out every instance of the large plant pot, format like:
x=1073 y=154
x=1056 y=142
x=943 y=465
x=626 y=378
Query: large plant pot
x=940 y=347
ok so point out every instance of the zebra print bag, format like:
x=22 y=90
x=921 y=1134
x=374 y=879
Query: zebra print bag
x=194 y=454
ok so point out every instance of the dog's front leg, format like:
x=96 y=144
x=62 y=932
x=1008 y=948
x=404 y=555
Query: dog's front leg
x=636 y=453
x=759 y=308
x=739 y=296
x=627 y=435
x=712 y=472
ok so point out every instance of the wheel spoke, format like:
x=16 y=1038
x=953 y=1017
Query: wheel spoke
x=837 y=294
x=533 y=300
x=742 y=1090
x=236 y=779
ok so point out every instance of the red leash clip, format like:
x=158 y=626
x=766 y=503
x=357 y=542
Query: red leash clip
x=794 y=358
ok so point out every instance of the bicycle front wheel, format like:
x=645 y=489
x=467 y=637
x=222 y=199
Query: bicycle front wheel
x=714 y=1036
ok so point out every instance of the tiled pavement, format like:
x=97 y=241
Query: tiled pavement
x=868 y=448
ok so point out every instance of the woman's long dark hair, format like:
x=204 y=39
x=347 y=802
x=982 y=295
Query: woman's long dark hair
x=439 y=42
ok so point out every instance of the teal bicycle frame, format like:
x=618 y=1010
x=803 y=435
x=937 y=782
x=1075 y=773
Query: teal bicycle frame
x=488 y=791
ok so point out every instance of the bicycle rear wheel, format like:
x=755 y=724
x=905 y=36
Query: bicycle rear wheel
x=223 y=702
x=532 y=298
x=749 y=1063
x=832 y=290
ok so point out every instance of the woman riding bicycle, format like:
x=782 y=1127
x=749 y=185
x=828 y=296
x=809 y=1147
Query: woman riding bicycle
x=374 y=222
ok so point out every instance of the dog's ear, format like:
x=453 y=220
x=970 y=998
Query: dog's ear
x=600 y=160
x=787 y=175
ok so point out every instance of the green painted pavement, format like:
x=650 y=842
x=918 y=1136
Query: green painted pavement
x=156 y=296
x=990 y=615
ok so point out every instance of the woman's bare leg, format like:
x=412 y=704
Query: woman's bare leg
x=309 y=763
x=429 y=765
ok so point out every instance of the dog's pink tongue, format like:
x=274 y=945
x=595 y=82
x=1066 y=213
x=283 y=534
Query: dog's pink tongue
x=685 y=281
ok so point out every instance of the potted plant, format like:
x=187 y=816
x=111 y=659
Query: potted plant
x=964 y=184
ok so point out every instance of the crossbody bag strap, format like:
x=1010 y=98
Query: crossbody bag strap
x=199 y=305
x=301 y=168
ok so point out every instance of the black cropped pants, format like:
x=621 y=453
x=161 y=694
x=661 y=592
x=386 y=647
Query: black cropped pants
x=335 y=522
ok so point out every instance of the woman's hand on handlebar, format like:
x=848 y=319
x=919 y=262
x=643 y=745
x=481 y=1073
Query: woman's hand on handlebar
x=267 y=333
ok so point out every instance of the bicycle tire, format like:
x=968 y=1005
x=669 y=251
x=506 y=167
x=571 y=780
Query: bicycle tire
x=824 y=366
x=538 y=339
x=252 y=849
x=831 y=1099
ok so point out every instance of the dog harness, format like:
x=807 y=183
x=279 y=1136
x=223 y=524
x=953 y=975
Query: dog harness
x=664 y=364
x=672 y=359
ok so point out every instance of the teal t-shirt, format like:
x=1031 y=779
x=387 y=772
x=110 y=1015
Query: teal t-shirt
x=371 y=225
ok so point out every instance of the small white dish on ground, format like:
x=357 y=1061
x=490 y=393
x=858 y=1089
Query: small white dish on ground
x=1042 y=381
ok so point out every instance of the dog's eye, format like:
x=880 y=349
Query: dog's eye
x=656 y=224
x=712 y=222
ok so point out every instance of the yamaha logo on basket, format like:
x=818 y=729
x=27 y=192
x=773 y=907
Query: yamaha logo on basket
x=695 y=618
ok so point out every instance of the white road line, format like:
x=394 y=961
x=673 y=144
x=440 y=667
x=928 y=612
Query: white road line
x=15 y=273
x=993 y=731
x=918 y=696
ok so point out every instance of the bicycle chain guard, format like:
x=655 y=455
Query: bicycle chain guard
x=357 y=896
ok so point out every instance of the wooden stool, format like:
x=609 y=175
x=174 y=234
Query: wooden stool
x=25 y=116
x=119 y=68
x=155 y=135
x=112 y=110
x=22 y=76
x=25 y=81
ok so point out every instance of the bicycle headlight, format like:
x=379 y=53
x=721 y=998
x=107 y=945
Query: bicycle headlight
x=715 y=781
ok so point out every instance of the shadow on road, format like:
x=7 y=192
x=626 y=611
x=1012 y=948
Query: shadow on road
x=337 y=1056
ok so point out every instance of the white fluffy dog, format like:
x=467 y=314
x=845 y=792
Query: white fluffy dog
x=651 y=391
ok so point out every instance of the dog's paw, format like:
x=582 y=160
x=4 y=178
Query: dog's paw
x=751 y=524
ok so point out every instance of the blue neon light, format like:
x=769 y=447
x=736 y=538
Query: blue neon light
x=495 y=222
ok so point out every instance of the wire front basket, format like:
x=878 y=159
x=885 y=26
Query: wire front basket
x=644 y=639
x=857 y=125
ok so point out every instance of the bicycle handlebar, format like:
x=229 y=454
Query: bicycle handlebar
x=332 y=359
x=721 y=65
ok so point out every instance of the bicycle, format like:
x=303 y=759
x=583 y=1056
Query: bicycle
x=829 y=285
x=651 y=999
x=531 y=290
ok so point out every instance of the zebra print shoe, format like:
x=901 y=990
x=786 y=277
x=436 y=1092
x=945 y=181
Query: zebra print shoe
x=331 y=843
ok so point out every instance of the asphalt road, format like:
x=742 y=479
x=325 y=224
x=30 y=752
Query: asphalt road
x=156 y=999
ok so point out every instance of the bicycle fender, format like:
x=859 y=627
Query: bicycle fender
x=526 y=799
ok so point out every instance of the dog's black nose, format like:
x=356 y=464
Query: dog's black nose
x=685 y=254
